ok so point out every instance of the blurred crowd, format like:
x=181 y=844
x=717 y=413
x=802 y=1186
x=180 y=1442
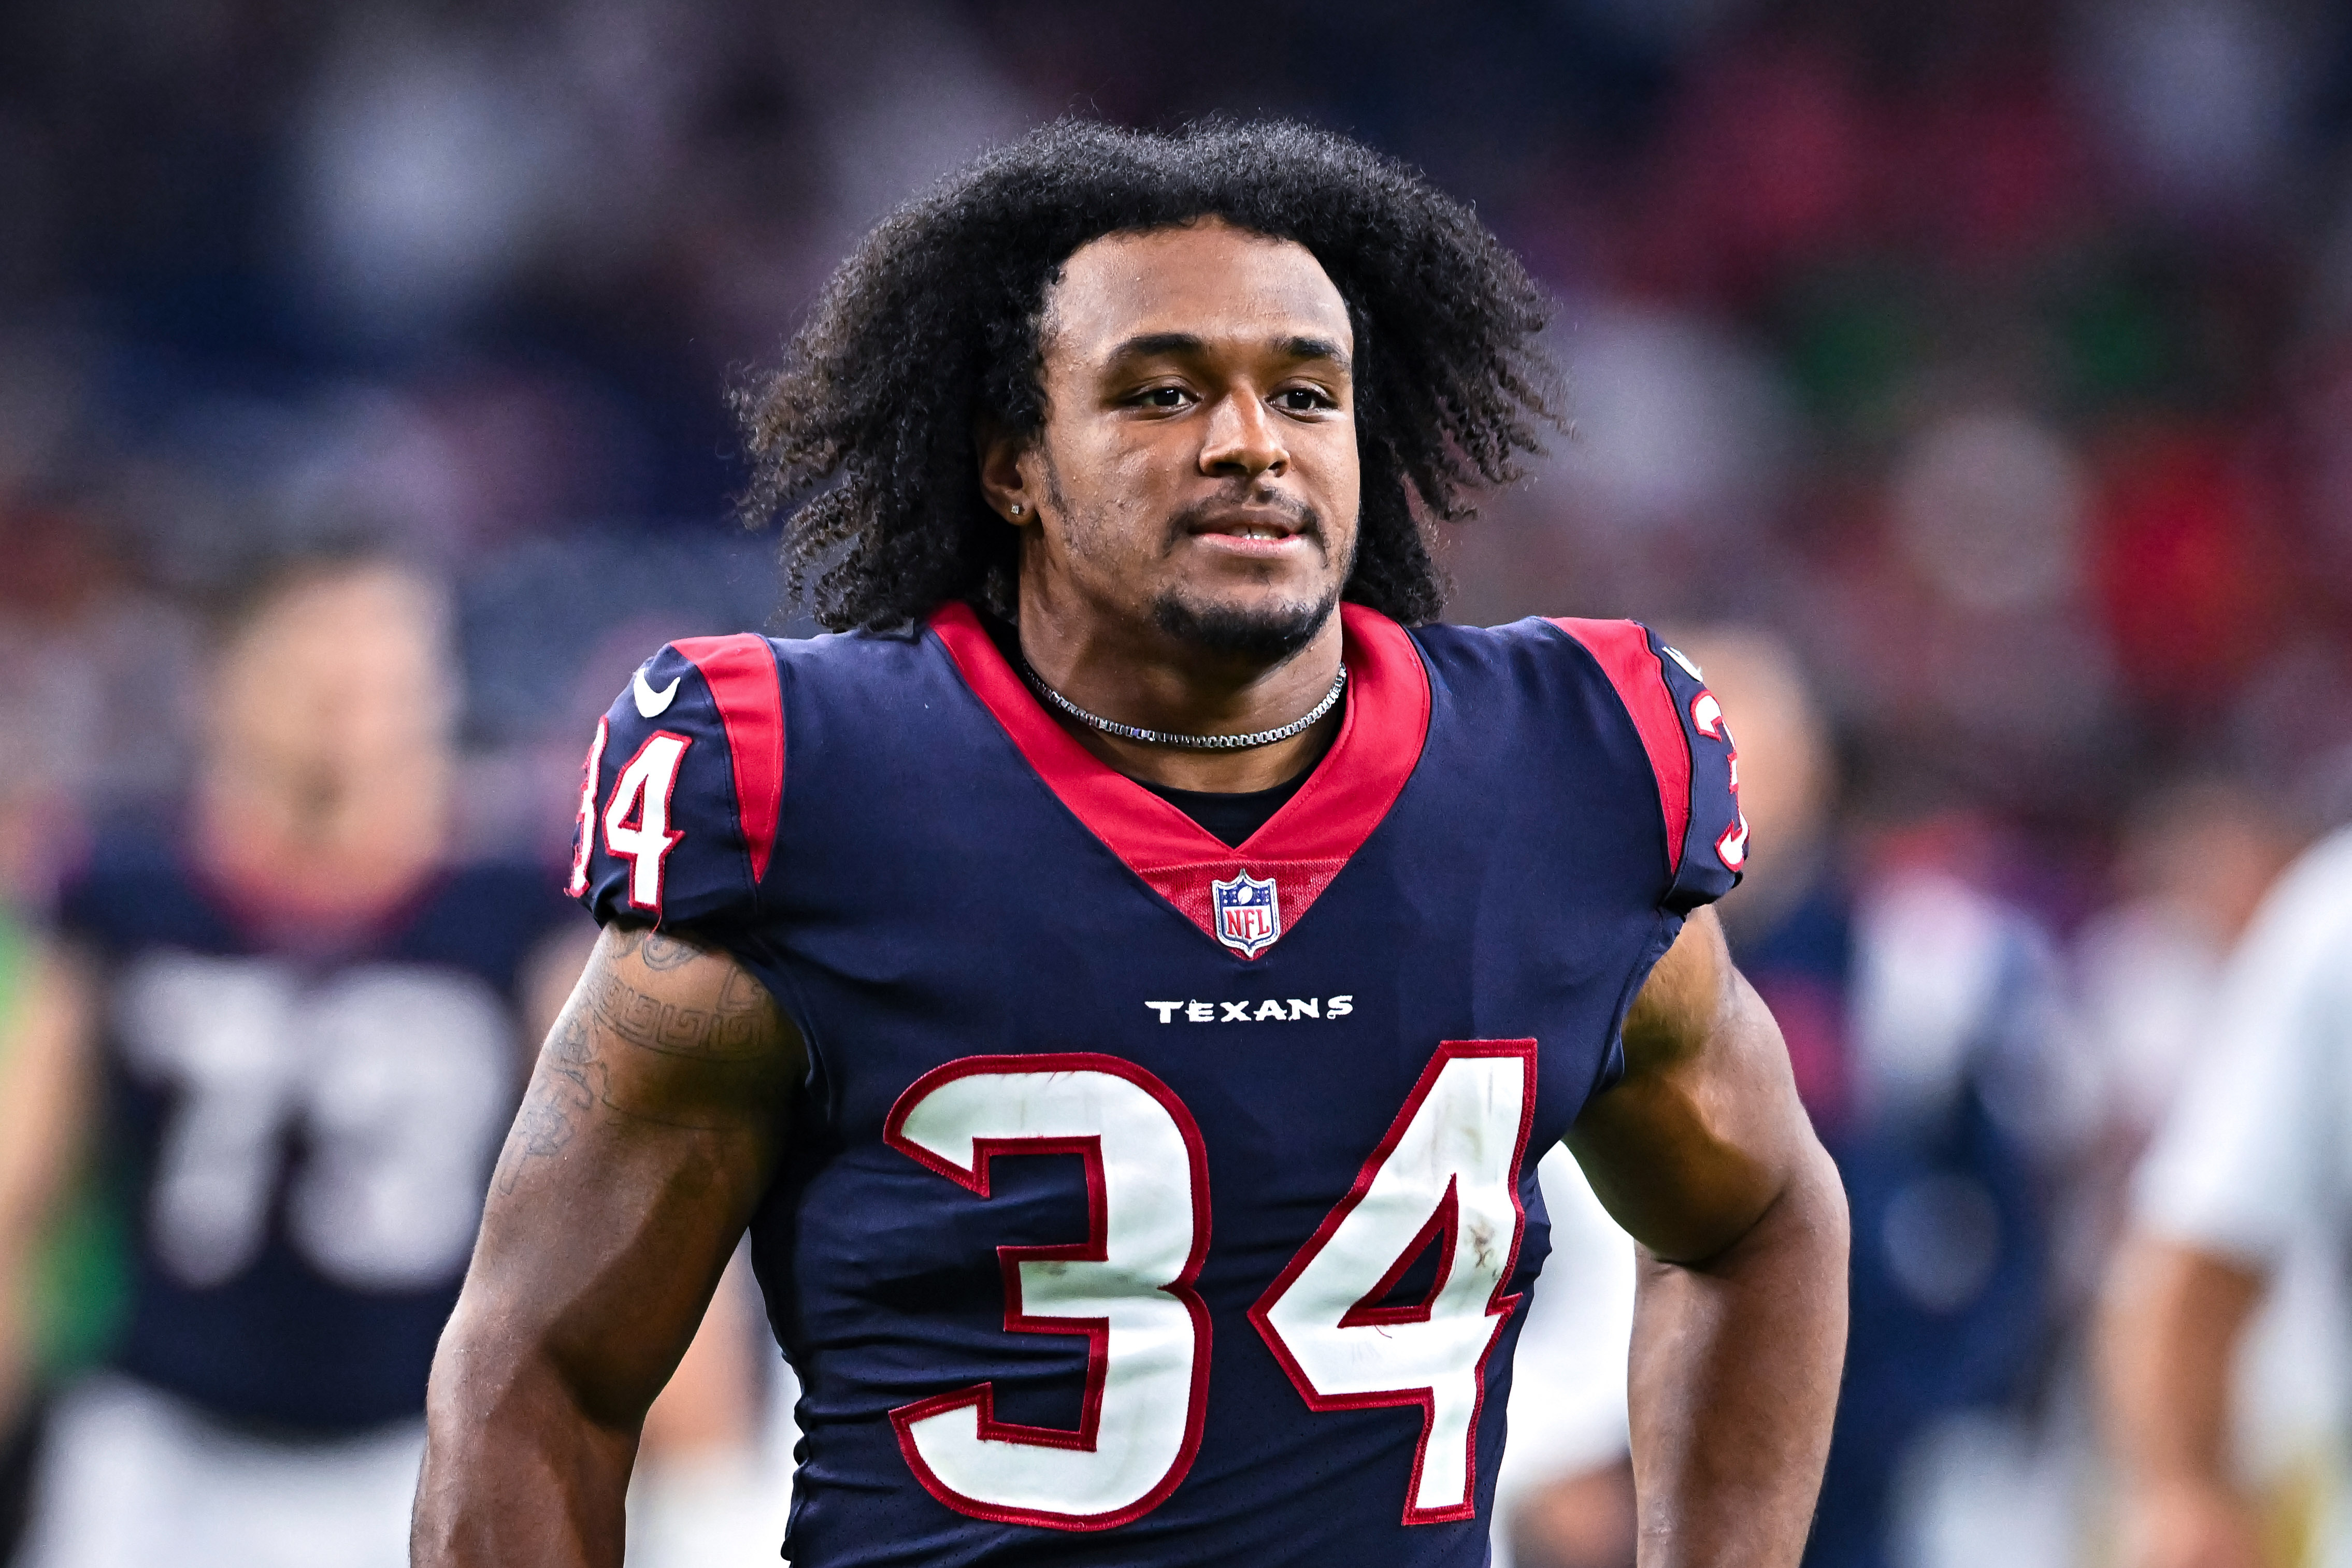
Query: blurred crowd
x=1969 y=383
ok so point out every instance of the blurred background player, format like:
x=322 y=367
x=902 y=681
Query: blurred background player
x=2249 y=1180
x=300 y=1089
x=1927 y=1029
x=2193 y=864
x=300 y=1076
x=1920 y=1014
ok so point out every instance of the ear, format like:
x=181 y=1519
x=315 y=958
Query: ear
x=1005 y=460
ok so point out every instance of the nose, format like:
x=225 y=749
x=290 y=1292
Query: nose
x=1242 y=438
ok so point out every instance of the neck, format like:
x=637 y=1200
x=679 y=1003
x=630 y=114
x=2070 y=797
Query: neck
x=1137 y=675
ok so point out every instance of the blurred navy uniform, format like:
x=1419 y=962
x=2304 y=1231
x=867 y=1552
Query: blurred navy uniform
x=305 y=1136
x=301 y=1133
x=1158 y=1194
x=1907 y=1072
x=300 y=1004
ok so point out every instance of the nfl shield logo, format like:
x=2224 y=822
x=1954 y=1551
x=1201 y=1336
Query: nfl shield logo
x=1249 y=917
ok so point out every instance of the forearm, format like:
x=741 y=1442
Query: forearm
x=1733 y=1381
x=517 y=1474
x=19 y=1236
x=568 y=1329
x=2169 y=1337
x=45 y=1093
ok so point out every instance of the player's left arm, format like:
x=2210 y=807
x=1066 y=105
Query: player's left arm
x=1704 y=1152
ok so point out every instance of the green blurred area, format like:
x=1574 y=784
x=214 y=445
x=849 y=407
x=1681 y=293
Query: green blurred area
x=79 y=1276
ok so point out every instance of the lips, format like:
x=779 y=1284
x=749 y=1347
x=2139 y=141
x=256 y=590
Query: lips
x=1243 y=526
x=1267 y=526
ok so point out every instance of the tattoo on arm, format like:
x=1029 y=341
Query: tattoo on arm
x=663 y=952
x=572 y=1083
x=733 y=1035
x=729 y=1030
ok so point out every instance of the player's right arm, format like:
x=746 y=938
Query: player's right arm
x=646 y=1137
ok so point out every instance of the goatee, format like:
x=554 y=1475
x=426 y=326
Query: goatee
x=1264 y=634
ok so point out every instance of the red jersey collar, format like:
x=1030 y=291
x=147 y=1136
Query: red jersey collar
x=1301 y=848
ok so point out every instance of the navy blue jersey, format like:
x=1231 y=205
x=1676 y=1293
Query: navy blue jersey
x=304 y=1138
x=1152 y=1200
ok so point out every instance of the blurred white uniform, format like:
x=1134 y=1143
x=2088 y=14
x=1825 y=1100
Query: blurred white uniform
x=136 y=1475
x=2255 y=1162
x=725 y=1503
x=1568 y=1381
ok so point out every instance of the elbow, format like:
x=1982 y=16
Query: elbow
x=476 y=1371
x=496 y=1370
x=1804 y=1226
x=1810 y=1219
x=488 y=1371
x=1817 y=1193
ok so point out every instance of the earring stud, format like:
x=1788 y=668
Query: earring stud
x=1016 y=508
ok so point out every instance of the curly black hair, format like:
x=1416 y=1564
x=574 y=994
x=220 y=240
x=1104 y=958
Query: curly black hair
x=932 y=324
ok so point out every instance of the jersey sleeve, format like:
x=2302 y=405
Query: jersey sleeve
x=683 y=785
x=1693 y=762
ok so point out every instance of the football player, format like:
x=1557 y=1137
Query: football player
x=298 y=1010
x=292 y=1018
x=1126 y=979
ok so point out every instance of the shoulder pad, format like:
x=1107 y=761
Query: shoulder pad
x=682 y=785
x=1692 y=758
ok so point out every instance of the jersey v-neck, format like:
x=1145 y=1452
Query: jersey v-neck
x=1301 y=847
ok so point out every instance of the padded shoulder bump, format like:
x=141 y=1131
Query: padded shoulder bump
x=683 y=785
x=1691 y=757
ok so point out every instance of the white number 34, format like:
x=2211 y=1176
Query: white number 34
x=1446 y=1174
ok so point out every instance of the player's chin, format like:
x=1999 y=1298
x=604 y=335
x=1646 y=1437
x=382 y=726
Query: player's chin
x=1260 y=622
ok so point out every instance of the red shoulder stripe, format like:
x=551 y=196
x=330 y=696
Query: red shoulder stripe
x=1623 y=650
x=740 y=671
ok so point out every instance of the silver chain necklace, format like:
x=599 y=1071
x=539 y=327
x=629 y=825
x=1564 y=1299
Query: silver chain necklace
x=1189 y=742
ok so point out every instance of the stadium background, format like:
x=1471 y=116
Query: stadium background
x=1997 y=357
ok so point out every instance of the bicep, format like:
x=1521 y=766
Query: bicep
x=1705 y=1130
x=645 y=1140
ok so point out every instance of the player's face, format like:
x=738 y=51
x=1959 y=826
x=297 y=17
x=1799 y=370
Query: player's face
x=340 y=685
x=1197 y=473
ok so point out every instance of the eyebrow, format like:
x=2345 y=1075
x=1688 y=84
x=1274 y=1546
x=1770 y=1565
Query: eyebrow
x=1150 y=345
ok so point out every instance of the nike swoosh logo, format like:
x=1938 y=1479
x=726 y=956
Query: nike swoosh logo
x=651 y=704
